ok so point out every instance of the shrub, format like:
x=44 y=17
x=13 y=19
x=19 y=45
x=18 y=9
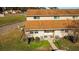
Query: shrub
x=37 y=39
x=58 y=43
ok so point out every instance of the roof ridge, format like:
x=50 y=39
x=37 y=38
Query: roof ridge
x=50 y=12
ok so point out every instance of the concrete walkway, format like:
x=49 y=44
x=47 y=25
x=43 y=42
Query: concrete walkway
x=52 y=44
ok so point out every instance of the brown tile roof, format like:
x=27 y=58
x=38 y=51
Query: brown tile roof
x=51 y=24
x=47 y=12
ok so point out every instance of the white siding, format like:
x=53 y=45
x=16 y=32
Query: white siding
x=41 y=18
x=58 y=34
x=63 y=18
x=77 y=17
x=41 y=35
x=52 y=18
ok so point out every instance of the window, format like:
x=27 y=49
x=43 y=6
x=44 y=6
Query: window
x=47 y=31
x=36 y=17
x=62 y=29
x=31 y=32
x=45 y=36
x=75 y=17
x=66 y=30
x=51 y=36
x=56 y=17
x=36 y=32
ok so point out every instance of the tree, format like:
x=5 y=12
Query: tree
x=74 y=25
x=53 y=7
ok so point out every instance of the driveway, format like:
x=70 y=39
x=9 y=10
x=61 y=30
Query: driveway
x=7 y=28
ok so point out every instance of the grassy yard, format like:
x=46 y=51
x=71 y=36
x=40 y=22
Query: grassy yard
x=67 y=45
x=9 y=19
x=11 y=42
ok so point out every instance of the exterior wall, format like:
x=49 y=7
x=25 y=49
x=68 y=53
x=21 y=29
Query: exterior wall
x=52 y=18
x=41 y=18
x=60 y=34
x=42 y=34
x=63 y=18
x=56 y=34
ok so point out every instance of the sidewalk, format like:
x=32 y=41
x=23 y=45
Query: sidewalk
x=52 y=44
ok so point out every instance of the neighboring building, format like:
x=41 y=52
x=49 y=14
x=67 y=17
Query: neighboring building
x=1 y=12
x=48 y=24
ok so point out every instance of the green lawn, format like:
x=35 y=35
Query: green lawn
x=11 y=42
x=67 y=45
x=9 y=19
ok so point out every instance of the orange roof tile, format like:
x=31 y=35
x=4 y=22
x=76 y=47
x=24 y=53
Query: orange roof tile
x=51 y=12
x=51 y=24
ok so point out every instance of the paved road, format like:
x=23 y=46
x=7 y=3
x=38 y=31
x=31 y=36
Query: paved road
x=9 y=27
